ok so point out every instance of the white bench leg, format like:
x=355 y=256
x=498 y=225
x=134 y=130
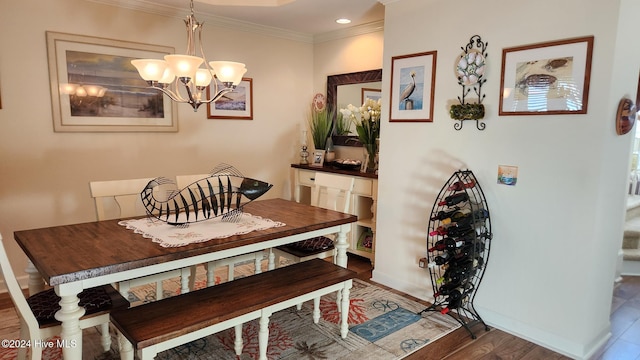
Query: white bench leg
x=126 y=349
x=263 y=335
x=316 y=310
x=344 y=315
x=105 y=337
x=238 y=342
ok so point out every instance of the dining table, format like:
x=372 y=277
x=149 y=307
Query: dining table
x=75 y=257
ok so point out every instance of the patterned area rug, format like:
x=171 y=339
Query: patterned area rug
x=382 y=325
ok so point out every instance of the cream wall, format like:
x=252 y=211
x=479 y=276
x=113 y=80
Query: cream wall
x=45 y=175
x=557 y=232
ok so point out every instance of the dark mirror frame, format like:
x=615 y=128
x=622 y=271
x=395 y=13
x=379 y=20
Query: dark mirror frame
x=333 y=81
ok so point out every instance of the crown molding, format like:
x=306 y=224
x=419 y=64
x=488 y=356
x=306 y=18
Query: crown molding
x=151 y=7
x=350 y=32
x=386 y=2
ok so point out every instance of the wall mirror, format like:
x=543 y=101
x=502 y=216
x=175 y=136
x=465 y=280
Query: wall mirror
x=344 y=89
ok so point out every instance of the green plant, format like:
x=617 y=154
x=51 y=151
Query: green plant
x=320 y=124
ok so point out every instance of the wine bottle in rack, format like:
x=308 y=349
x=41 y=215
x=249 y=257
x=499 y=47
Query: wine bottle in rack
x=446 y=244
x=454 y=199
x=459 y=185
x=459 y=215
x=444 y=214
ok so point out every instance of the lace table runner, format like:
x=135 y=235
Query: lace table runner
x=173 y=236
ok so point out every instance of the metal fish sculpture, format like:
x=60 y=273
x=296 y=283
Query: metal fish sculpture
x=220 y=194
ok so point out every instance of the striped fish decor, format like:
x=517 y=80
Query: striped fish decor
x=223 y=193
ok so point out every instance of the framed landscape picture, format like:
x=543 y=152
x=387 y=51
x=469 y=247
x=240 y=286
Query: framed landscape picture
x=94 y=87
x=237 y=104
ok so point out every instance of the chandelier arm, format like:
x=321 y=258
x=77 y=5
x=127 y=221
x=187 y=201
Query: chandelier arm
x=214 y=87
x=218 y=95
x=170 y=94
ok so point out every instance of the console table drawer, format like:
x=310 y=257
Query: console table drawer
x=306 y=177
x=362 y=187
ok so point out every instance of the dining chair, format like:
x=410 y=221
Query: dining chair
x=121 y=199
x=331 y=192
x=36 y=313
x=189 y=181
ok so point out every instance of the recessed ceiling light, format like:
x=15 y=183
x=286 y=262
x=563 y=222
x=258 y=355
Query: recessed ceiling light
x=343 y=21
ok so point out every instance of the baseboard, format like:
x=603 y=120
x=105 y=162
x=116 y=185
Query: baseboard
x=630 y=268
x=545 y=339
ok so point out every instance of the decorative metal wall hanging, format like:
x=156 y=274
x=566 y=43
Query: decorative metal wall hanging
x=470 y=68
x=204 y=199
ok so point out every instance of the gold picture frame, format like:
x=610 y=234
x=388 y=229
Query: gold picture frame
x=94 y=87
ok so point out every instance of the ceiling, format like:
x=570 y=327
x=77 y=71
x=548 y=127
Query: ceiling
x=309 y=17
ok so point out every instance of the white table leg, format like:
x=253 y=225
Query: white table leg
x=36 y=283
x=69 y=314
x=211 y=277
x=258 y=263
x=341 y=245
x=185 y=274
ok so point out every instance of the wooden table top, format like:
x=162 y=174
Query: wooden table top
x=74 y=252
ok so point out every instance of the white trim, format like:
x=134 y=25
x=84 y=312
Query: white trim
x=224 y=22
x=371 y=27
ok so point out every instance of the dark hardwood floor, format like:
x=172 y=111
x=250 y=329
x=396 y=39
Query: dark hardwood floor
x=495 y=344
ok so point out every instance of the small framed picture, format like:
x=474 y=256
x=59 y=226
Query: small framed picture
x=234 y=105
x=413 y=80
x=373 y=94
x=318 y=158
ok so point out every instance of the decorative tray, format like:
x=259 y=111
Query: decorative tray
x=347 y=164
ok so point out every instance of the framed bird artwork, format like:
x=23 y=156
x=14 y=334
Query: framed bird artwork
x=413 y=79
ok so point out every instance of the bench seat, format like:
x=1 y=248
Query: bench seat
x=157 y=326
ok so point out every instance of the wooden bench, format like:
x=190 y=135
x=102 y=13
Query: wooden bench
x=157 y=326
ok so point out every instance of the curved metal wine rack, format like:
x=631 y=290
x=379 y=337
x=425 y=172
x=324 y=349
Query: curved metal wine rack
x=479 y=239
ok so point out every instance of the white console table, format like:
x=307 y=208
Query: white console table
x=362 y=237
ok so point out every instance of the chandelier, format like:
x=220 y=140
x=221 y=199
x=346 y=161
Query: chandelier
x=177 y=72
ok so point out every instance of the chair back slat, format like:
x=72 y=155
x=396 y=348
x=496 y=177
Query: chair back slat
x=332 y=192
x=118 y=198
